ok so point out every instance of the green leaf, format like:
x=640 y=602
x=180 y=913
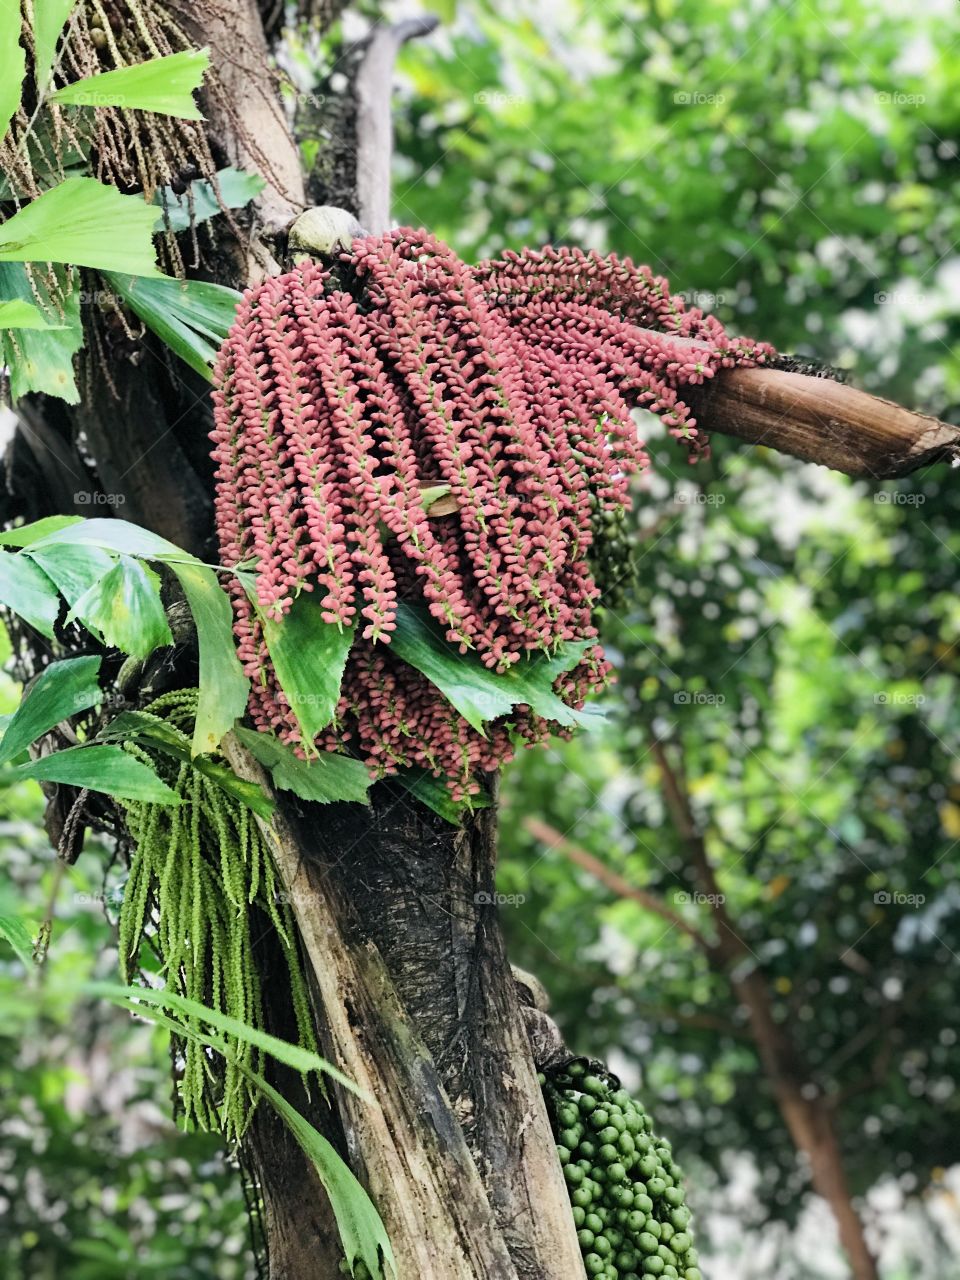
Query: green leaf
x=162 y=85
x=223 y=686
x=361 y=1231
x=308 y=656
x=291 y=1055
x=62 y=690
x=41 y=359
x=435 y=794
x=28 y=592
x=86 y=223
x=478 y=693
x=74 y=570
x=124 y=608
x=224 y=689
x=203 y=199
x=190 y=316
x=110 y=535
x=13 y=62
x=150 y=730
x=25 y=535
x=327 y=778
x=49 y=17
x=17 y=314
x=100 y=768
x=18 y=935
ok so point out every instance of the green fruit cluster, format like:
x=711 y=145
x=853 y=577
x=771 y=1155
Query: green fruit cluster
x=612 y=559
x=625 y=1188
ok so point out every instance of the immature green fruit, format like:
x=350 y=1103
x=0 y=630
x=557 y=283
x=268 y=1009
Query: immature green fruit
x=625 y=1187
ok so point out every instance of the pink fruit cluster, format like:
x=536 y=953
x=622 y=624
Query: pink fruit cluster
x=342 y=395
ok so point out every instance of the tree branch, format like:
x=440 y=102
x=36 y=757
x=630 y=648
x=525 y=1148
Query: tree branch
x=823 y=421
x=553 y=839
x=374 y=91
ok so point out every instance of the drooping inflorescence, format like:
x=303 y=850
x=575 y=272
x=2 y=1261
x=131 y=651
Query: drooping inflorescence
x=344 y=394
x=202 y=888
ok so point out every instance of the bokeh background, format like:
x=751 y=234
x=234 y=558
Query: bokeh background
x=789 y=635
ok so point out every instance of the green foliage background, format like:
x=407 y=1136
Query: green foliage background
x=793 y=168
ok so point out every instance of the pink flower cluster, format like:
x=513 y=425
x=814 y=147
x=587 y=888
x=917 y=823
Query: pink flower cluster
x=511 y=384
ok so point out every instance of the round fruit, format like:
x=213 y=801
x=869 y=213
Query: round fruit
x=624 y=1186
